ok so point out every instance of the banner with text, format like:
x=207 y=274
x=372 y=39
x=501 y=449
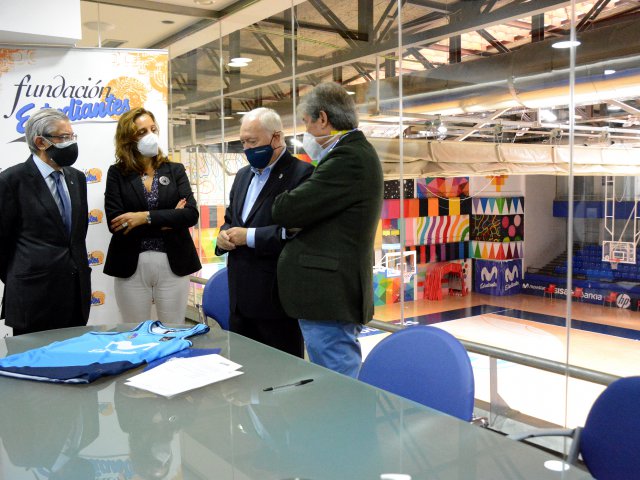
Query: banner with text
x=93 y=87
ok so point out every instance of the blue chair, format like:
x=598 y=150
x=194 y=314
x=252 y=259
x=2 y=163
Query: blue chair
x=426 y=365
x=215 y=298
x=609 y=442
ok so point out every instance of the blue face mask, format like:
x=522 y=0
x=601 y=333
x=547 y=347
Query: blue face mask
x=259 y=157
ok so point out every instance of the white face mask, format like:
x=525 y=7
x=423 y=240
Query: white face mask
x=148 y=145
x=312 y=147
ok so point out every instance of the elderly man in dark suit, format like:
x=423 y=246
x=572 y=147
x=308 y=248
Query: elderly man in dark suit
x=254 y=241
x=325 y=273
x=43 y=225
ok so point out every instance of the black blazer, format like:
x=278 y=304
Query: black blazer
x=45 y=271
x=125 y=193
x=252 y=271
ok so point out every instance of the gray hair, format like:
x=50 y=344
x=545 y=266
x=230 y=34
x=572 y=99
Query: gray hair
x=42 y=123
x=269 y=119
x=333 y=100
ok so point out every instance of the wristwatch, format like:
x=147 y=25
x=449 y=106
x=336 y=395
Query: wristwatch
x=149 y=218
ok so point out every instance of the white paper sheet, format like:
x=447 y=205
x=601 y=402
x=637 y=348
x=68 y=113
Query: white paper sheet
x=183 y=374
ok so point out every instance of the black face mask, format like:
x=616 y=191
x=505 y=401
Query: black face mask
x=64 y=154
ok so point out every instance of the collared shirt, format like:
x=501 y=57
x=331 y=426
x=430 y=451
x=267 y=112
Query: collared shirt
x=258 y=182
x=328 y=148
x=46 y=171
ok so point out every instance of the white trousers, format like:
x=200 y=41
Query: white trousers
x=153 y=282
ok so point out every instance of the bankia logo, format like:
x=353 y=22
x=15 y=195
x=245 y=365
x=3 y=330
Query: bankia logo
x=95 y=216
x=488 y=278
x=97 y=298
x=94 y=175
x=95 y=258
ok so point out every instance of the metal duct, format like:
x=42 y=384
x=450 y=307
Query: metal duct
x=534 y=76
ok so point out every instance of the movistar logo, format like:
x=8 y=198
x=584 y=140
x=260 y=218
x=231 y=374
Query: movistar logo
x=487 y=275
x=511 y=275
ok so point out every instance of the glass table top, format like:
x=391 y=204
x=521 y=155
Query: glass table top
x=332 y=428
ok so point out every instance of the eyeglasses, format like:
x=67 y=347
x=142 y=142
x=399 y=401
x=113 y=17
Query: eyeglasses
x=64 y=138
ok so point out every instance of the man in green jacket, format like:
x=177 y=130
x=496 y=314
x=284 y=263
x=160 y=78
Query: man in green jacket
x=325 y=271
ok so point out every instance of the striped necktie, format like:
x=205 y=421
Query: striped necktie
x=65 y=202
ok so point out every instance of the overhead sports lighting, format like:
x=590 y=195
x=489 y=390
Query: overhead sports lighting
x=239 y=62
x=296 y=142
x=609 y=71
x=566 y=44
x=350 y=92
x=547 y=115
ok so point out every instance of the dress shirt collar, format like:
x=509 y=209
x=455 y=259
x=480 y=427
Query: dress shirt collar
x=267 y=170
x=45 y=169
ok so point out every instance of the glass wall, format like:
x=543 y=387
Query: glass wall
x=509 y=215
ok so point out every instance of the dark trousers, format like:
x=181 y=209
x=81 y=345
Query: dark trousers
x=76 y=319
x=281 y=333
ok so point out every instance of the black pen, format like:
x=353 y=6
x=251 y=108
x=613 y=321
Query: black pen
x=295 y=384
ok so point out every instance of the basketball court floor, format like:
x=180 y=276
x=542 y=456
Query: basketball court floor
x=601 y=338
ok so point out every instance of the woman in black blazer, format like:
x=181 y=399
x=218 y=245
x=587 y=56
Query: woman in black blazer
x=150 y=207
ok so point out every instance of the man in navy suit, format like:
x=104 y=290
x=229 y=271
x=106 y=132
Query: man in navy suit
x=43 y=225
x=254 y=241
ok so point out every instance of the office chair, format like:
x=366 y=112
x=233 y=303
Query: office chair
x=215 y=299
x=611 y=298
x=577 y=293
x=609 y=442
x=550 y=290
x=426 y=365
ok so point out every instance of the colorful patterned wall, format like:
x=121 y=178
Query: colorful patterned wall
x=497 y=228
x=434 y=215
x=497 y=235
x=211 y=219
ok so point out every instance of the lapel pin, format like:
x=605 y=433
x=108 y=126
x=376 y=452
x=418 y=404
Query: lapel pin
x=280 y=176
x=164 y=180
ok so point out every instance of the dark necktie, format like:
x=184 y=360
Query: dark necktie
x=65 y=211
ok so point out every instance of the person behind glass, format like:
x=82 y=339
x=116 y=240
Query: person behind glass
x=253 y=239
x=149 y=207
x=43 y=225
x=325 y=273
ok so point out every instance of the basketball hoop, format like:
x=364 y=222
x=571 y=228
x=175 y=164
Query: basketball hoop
x=407 y=276
x=614 y=263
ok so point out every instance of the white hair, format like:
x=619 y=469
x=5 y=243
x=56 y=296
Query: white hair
x=269 y=119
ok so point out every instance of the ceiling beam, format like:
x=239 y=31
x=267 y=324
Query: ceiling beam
x=435 y=6
x=493 y=41
x=161 y=7
x=433 y=35
x=591 y=15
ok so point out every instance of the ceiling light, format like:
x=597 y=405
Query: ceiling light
x=237 y=64
x=609 y=71
x=350 y=92
x=203 y=2
x=566 y=44
x=241 y=60
x=99 y=26
x=296 y=142
x=241 y=113
x=613 y=108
